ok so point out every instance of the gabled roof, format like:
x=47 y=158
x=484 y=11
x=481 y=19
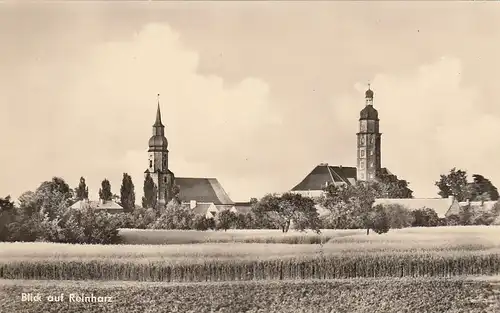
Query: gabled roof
x=442 y=206
x=324 y=174
x=98 y=205
x=205 y=190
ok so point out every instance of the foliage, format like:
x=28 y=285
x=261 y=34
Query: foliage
x=453 y=184
x=7 y=216
x=380 y=222
x=350 y=206
x=425 y=217
x=483 y=189
x=105 y=193
x=389 y=186
x=127 y=193
x=82 y=191
x=43 y=215
x=150 y=193
x=399 y=216
x=200 y=222
x=175 y=216
x=286 y=209
x=225 y=220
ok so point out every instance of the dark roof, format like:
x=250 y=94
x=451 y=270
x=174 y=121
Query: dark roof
x=202 y=190
x=324 y=173
x=368 y=113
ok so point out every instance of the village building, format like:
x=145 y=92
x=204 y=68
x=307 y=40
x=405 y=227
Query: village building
x=369 y=168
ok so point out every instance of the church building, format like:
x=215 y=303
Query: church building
x=368 y=163
x=202 y=195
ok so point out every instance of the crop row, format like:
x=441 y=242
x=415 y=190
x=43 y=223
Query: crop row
x=313 y=267
x=358 y=295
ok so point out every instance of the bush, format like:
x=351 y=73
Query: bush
x=380 y=220
x=399 y=216
x=200 y=222
x=425 y=217
x=175 y=216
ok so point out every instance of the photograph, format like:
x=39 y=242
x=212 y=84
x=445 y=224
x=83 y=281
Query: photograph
x=249 y=156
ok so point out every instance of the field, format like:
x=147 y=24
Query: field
x=417 y=269
x=355 y=295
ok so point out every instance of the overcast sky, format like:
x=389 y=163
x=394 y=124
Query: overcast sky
x=254 y=94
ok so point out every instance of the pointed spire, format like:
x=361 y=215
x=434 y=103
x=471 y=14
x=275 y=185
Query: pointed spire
x=158 y=113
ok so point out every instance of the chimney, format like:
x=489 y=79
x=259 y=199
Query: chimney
x=192 y=204
x=452 y=198
x=468 y=201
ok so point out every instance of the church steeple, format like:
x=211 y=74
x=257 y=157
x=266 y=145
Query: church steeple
x=158 y=127
x=158 y=114
x=158 y=161
x=369 y=141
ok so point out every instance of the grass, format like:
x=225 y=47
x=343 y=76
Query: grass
x=161 y=237
x=355 y=295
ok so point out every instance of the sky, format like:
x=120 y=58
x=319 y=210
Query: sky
x=255 y=94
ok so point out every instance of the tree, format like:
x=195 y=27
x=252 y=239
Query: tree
x=454 y=184
x=150 y=193
x=286 y=209
x=350 y=206
x=175 y=216
x=380 y=222
x=425 y=217
x=127 y=194
x=105 y=193
x=389 y=186
x=483 y=189
x=225 y=220
x=399 y=216
x=82 y=191
x=7 y=216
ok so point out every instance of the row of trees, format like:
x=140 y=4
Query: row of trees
x=456 y=184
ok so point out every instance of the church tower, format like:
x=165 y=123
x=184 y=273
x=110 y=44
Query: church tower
x=158 y=162
x=368 y=148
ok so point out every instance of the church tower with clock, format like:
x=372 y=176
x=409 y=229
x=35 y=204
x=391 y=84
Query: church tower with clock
x=158 y=162
x=369 y=141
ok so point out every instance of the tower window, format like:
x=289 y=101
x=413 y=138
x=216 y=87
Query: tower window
x=165 y=179
x=362 y=153
x=371 y=152
x=362 y=164
x=372 y=139
x=150 y=163
x=371 y=176
x=371 y=164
